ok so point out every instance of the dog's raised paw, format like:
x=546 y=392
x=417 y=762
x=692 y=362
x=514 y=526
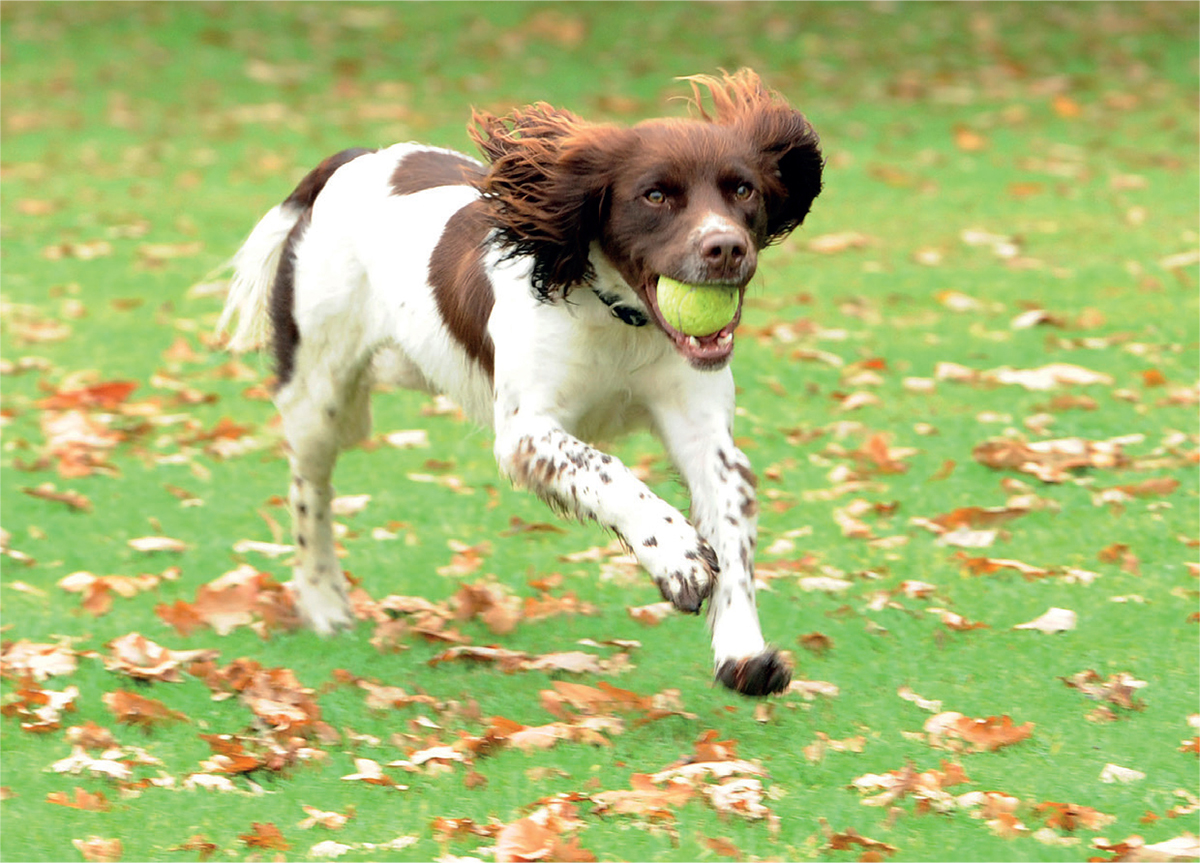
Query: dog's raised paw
x=760 y=675
x=686 y=588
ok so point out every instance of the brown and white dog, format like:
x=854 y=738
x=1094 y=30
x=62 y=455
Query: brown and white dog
x=524 y=287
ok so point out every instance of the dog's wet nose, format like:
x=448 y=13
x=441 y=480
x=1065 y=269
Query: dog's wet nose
x=723 y=251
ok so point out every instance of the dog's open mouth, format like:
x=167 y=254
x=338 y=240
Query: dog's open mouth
x=709 y=351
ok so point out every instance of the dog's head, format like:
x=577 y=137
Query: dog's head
x=694 y=200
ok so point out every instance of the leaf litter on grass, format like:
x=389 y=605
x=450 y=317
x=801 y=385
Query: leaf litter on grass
x=1028 y=307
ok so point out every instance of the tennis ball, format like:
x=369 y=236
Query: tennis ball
x=696 y=310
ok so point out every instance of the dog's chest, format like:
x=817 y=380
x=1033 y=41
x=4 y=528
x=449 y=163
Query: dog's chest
x=579 y=363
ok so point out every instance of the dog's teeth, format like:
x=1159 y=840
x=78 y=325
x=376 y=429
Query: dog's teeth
x=693 y=342
x=725 y=340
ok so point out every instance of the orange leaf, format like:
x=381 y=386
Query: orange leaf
x=132 y=709
x=105 y=396
x=991 y=733
x=82 y=800
x=96 y=849
x=723 y=847
x=264 y=836
x=1066 y=107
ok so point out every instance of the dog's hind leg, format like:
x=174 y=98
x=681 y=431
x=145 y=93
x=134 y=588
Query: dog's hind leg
x=325 y=406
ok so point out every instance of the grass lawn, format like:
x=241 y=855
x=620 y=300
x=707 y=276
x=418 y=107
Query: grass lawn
x=969 y=386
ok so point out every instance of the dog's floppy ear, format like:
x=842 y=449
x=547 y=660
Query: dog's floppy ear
x=788 y=146
x=547 y=179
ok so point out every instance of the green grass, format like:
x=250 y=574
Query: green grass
x=179 y=124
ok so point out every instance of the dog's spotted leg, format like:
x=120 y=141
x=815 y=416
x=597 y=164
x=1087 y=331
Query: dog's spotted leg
x=725 y=512
x=317 y=419
x=584 y=482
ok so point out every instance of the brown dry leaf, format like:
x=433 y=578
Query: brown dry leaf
x=78 y=442
x=105 y=396
x=492 y=603
x=1185 y=847
x=1118 y=689
x=90 y=736
x=988 y=565
x=1007 y=826
x=518 y=525
x=816 y=642
x=459 y=828
x=328 y=820
x=652 y=614
x=138 y=657
x=265 y=836
x=41 y=709
x=96 y=849
x=81 y=800
x=538 y=837
x=1051 y=460
x=230 y=756
x=157 y=543
x=1047 y=377
x=133 y=709
x=1069 y=816
x=928 y=787
x=371 y=773
x=816 y=750
x=1120 y=554
x=957 y=622
x=73 y=499
x=722 y=846
x=547 y=605
x=973 y=517
x=199 y=843
x=968 y=140
x=39 y=661
x=645 y=798
x=985 y=735
x=466 y=558
x=508 y=660
x=851 y=838
x=811 y=689
x=1156 y=487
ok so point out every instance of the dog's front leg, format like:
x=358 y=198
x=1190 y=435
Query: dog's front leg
x=697 y=430
x=580 y=480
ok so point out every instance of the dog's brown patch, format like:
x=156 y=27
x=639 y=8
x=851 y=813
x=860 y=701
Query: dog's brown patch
x=428 y=169
x=314 y=181
x=460 y=284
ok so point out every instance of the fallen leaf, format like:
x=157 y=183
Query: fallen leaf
x=81 y=800
x=652 y=614
x=1054 y=620
x=156 y=543
x=265 y=836
x=96 y=849
x=1112 y=773
x=133 y=709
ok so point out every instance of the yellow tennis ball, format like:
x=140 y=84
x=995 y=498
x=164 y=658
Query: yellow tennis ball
x=696 y=310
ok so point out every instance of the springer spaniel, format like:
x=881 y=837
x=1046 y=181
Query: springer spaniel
x=524 y=287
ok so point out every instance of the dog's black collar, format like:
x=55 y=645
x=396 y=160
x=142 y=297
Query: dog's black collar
x=624 y=313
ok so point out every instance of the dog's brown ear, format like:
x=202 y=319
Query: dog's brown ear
x=788 y=145
x=548 y=174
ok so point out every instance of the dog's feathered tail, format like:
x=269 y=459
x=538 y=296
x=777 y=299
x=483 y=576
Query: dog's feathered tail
x=257 y=261
x=254 y=267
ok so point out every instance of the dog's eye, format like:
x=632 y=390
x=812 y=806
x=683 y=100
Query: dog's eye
x=656 y=197
x=743 y=192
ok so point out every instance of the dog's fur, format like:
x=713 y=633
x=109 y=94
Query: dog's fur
x=524 y=287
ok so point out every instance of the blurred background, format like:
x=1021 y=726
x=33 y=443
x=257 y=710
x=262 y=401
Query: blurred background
x=221 y=106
